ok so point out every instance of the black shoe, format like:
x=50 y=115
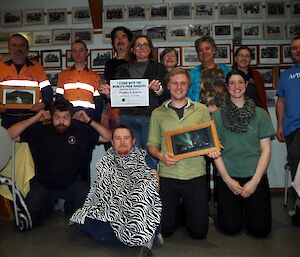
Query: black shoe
x=143 y=251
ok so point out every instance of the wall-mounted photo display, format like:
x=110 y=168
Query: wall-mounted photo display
x=223 y=54
x=114 y=13
x=51 y=59
x=267 y=74
x=85 y=35
x=53 y=78
x=292 y=29
x=252 y=31
x=106 y=35
x=61 y=36
x=178 y=53
x=228 y=10
x=189 y=56
x=138 y=30
x=98 y=57
x=222 y=31
x=193 y=141
x=33 y=17
x=57 y=16
x=182 y=11
x=4 y=39
x=199 y=30
x=34 y=56
x=69 y=59
x=269 y=54
x=275 y=9
x=81 y=15
x=18 y=97
x=295 y=8
x=274 y=31
x=159 y=11
x=203 y=10
x=177 y=33
x=11 y=18
x=137 y=12
x=251 y=9
x=254 y=53
x=156 y=33
x=42 y=38
x=286 y=54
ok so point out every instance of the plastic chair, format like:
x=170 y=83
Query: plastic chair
x=286 y=183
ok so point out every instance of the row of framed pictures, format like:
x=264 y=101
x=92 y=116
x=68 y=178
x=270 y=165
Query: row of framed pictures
x=52 y=37
x=30 y=17
x=225 y=10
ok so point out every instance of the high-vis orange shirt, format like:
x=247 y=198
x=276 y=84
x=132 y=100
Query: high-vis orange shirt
x=79 y=87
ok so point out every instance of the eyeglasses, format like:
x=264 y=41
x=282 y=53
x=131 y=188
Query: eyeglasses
x=138 y=46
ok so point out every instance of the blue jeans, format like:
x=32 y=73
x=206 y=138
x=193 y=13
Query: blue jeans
x=140 y=127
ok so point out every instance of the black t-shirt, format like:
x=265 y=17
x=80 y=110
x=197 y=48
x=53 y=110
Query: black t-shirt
x=58 y=157
x=111 y=67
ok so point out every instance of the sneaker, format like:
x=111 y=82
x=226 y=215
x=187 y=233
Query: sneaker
x=159 y=241
x=143 y=251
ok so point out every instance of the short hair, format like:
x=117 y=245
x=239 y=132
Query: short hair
x=295 y=38
x=207 y=39
x=122 y=126
x=62 y=105
x=124 y=29
x=236 y=72
x=79 y=42
x=19 y=36
x=167 y=51
x=177 y=71
x=151 y=55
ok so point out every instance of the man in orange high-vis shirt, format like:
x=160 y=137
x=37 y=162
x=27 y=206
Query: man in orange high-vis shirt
x=80 y=85
x=20 y=71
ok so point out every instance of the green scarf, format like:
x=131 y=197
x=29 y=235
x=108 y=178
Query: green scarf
x=237 y=119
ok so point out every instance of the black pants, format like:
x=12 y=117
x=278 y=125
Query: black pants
x=235 y=210
x=293 y=150
x=194 y=196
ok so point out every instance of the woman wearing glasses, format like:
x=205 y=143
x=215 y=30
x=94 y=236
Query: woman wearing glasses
x=142 y=66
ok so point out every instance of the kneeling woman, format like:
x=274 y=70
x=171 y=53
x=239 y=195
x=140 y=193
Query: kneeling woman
x=243 y=191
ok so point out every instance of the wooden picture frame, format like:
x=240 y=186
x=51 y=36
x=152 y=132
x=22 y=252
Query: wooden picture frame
x=251 y=9
x=286 y=54
x=193 y=141
x=223 y=54
x=19 y=97
x=114 y=13
x=203 y=10
x=57 y=16
x=274 y=30
x=252 y=31
x=11 y=18
x=269 y=54
x=61 y=36
x=51 y=59
x=98 y=57
x=222 y=31
x=159 y=11
x=181 y=11
x=33 y=17
x=81 y=15
x=42 y=38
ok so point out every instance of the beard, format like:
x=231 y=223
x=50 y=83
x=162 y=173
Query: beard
x=61 y=129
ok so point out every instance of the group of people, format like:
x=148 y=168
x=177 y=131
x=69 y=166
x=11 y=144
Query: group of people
x=139 y=184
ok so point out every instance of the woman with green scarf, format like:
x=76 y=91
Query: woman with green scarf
x=243 y=191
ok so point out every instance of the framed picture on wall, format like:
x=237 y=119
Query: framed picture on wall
x=176 y=33
x=228 y=10
x=57 y=16
x=85 y=35
x=252 y=31
x=267 y=74
x=269 y=54
x=53 y=78
x=51 y=59
x=178 y=53
x=159 y=12
x=286 y=54
x=69 y=59
x=295 y=8
x=61 y=36
x=189 y=56
x=274 y=31
x=203 y=10
x=42 y=38
x=114 y=13
x=11 y=18
x=137 y=12
x=156 y=33
x=251 y=9
x=81 y=15
x=3 y=39
x=222 y=31
x=199 y=30
x=223 y=54
x=292 y=29
x=33 y=17
x=34 y=56
x=98 y=57
x=254 y=53
x=275 y=9
x=182 y=11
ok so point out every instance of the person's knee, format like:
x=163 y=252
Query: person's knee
x=230 y=228
x=167 y=232
x=260 y=232
x=198 y=234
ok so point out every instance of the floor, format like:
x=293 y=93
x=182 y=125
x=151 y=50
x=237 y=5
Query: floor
x=55 y=239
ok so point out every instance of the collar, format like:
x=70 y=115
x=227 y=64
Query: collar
x=189 y=103
x=27 y=62
x=85 y=68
